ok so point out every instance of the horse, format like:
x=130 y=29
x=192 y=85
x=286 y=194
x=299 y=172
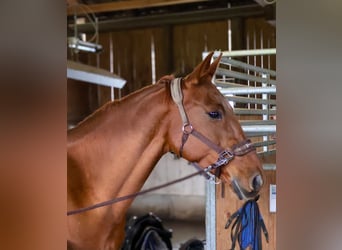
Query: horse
x=112 y=152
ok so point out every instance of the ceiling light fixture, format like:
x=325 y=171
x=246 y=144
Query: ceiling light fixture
x=77 y=44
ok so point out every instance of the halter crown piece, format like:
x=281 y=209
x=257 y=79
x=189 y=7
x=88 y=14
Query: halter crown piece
x=224 y=155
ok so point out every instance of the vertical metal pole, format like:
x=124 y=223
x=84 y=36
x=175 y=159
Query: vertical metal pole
x=153 y=60
x=265 y=117
x=210 y=208
x=111 y=63
x=210 y=215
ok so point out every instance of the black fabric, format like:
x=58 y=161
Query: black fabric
x=147 y=233
x=192 y=244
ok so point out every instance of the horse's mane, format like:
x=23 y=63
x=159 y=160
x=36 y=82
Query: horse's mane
x=111 y=105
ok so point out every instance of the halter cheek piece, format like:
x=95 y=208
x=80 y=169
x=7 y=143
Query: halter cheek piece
x=224 y=155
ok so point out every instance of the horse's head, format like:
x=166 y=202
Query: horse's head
x=209 y=114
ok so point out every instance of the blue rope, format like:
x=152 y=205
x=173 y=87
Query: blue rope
x=247 y=226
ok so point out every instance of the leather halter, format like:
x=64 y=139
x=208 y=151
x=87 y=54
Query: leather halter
x=224 y=155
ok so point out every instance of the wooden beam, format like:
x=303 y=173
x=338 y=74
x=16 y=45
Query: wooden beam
x=173 y=18
x=126 y=5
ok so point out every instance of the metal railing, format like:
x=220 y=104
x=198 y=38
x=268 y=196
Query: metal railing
x=251 y=91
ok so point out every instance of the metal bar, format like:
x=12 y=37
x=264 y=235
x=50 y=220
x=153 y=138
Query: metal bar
x=225 y=84
x=257 y=122
x=268 y=153
x=259 y=128
x=243 y=65
x=239 y=111
x=269 y=166
x=86 y=73
x=263 y=143
x=242 y=99
x=257 y=134
x=210 y=215
x=253 y=52
x=225 y=72
x=265 y=107
x=248 y=90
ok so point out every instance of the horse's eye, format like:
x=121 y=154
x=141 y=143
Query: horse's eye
x=215 y=115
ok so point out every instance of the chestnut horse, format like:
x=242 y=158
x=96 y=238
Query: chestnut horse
x=112 y=152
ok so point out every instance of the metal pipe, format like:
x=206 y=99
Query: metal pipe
x=263 y=143
x=253 y=52
x=257 y=122
x=239 y=111
x=243 y=65
x=259 y=128
x=210 y=215
x=269 y=166
x=248 y=90
x=86 y=73
x=241 y=99
x=225 y=72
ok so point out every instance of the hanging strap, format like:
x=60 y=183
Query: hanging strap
x=247 y=226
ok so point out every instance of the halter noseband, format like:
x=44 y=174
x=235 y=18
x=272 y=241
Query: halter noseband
x=224 y=155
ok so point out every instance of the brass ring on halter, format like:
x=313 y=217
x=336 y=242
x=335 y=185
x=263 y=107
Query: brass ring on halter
x=187 y=128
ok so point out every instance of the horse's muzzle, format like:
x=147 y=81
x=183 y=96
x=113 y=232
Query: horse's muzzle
x=256 y=182
x=242 y=193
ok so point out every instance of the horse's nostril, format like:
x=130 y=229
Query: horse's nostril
x=257 y=182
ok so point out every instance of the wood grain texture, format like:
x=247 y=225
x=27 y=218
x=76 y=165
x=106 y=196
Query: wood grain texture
x=229 y=203
x=125 y=5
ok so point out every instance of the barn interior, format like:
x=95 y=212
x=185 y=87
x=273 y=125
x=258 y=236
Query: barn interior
x=129 y=44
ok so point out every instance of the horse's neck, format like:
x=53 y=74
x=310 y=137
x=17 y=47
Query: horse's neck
x=118 y=146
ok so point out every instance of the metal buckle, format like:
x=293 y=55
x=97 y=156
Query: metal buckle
x=226 y=154
x=187 y=128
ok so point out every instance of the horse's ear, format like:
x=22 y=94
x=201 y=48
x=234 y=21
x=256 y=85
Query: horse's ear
x=204 y=69
x=212 y=69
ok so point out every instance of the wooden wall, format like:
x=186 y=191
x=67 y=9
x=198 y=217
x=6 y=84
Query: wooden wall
x=227 y=203
x=178 y=49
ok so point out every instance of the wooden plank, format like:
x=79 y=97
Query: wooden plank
x=141 y=53
x=122 y=48
x=163 y=51
x=229 y=203
x=132 y=58
x=125 y=5
x=77 y=101
x=104 y=93
x=175 y=18
x=191 y=40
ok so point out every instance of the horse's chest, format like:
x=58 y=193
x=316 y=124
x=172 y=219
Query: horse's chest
x=91 y=228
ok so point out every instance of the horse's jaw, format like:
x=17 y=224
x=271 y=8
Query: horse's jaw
x=242 y=193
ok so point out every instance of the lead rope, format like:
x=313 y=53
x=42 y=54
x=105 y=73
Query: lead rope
x=247 y=226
